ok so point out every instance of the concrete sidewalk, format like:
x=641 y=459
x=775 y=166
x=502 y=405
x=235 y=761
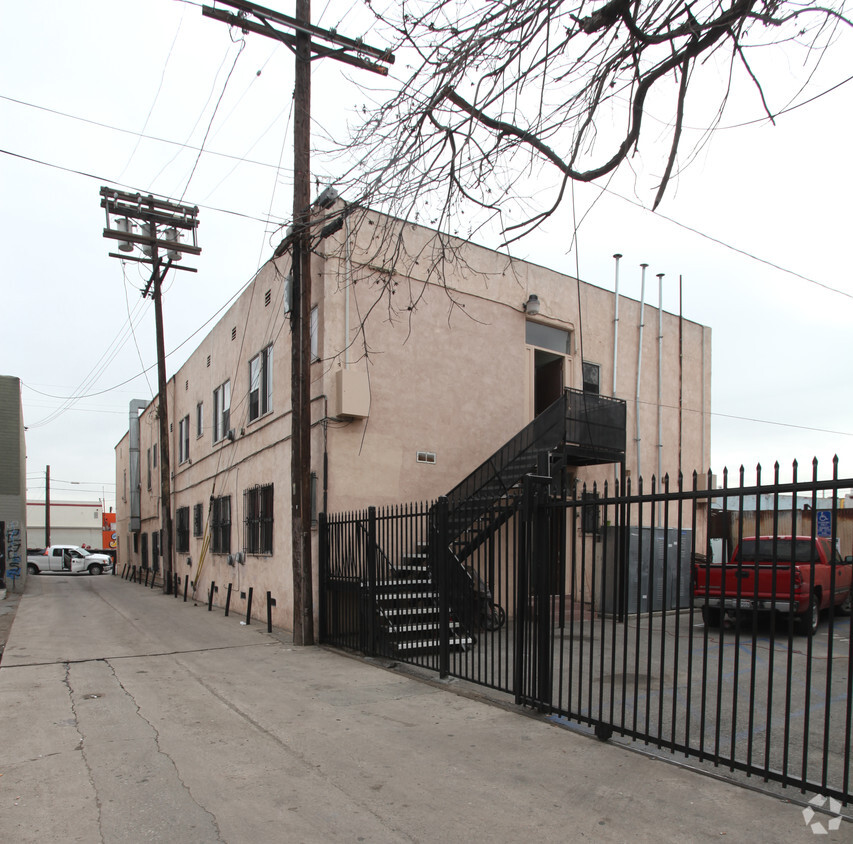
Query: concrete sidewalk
x=131 y=716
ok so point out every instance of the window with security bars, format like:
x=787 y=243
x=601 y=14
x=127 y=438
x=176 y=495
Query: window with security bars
x=220 y=525
x=198 y=520
x=258 y=510
x=182 y=529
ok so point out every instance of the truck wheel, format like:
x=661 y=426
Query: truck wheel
x=846 y=607
x=711 y=616
x=807 y=622
x=95 y=568
x=32 y=568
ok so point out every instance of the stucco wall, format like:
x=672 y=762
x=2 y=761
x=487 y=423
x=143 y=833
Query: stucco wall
x=438 y=327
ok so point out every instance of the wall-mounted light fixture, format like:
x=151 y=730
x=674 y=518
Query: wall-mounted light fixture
x=531 y=306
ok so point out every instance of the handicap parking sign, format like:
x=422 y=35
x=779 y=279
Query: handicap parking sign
x=824 y=523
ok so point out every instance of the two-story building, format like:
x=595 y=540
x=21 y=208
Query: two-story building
x=428 y=354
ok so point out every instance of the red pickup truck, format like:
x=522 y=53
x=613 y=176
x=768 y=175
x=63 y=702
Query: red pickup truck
x=796 y=576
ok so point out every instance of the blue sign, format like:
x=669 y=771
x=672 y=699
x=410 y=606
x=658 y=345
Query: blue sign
x=824 y=523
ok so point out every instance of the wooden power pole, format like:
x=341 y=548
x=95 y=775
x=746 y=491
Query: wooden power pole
x=161 y=224
x=253 y=18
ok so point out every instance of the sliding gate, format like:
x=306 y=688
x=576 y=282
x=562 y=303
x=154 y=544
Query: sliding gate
x=580 y=606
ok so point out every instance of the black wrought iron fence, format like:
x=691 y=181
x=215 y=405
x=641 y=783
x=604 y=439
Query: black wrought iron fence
x=615 y=621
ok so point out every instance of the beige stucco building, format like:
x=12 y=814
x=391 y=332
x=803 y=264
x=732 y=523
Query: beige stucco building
x=428 y=359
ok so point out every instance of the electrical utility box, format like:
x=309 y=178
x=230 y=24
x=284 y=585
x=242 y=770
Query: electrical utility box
x=657 y=571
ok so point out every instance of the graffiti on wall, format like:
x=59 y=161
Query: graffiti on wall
x=12 y=535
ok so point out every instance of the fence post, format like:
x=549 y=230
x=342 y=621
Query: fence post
x=442 y=514
x=249 y=606
x=371 y=581
x=186 y=584
x=210 y=597
x=323 y=553
x=269 y=612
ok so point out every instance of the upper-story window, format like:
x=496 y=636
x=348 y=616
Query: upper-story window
x=221 y=411
x=591 y=377
x=184 y=439
x=548 y=337
x=199 y=419
x=315 y=340
x=260 y=384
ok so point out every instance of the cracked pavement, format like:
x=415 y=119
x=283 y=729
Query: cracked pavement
x=131 y=716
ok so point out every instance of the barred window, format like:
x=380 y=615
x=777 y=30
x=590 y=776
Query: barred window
x=182 y=529
x=221 y=525
x=258 y=510
x=198 y=520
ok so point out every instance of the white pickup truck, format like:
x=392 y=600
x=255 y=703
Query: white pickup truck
x=71 y=559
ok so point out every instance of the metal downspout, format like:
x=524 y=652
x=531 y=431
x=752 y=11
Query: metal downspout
x=136 y=405
x=638 y=439
x=660 y=390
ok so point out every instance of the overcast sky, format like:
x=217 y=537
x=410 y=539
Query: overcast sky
x=122 y=92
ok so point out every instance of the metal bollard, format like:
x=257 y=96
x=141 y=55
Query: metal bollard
x=228 y=600
x=269 y=612
x=210 y=596
x=249 y=606
x=186 y=584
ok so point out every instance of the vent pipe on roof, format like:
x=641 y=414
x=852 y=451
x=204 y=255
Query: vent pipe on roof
x=639 y=368
x=136 y=406
x=660 y=388
x=616 y=257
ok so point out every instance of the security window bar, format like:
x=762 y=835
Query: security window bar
x=221 y=525
x=258 y=509
x=182 y=529
x=221 y=411
x=198 y=520
x=260 y=384
x=184 y=439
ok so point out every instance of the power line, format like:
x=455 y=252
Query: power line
x=265 y=221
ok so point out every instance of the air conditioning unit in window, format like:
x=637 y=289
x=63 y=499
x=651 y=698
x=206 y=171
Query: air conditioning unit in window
x=231 y=434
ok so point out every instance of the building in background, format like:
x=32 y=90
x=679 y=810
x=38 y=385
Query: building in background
x=429 y=354
x=71 y=523
x=13 y=486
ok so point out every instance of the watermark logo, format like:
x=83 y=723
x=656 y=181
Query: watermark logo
x=818 y=827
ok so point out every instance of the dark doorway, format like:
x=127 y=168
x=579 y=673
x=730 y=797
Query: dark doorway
x=548 y=379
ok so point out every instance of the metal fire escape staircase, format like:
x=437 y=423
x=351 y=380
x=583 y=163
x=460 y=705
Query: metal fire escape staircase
x=577 y=429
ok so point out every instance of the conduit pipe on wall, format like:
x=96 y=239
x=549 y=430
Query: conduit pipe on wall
x=638 y=439
x=136 y=405
x=616 y=258
x=660 y=389
x=347 y=283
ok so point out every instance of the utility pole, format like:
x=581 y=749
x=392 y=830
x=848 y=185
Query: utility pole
x=47 y=508
x=155 y=217
x=254 y=18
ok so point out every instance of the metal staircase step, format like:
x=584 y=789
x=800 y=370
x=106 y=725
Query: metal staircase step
x=425 y=627
x=408 y=596
x=410 y=611
x=433 y=644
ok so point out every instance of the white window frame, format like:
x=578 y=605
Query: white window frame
x=221 y=411
x=260 y=384
x=184 y=440
x=315 y=339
